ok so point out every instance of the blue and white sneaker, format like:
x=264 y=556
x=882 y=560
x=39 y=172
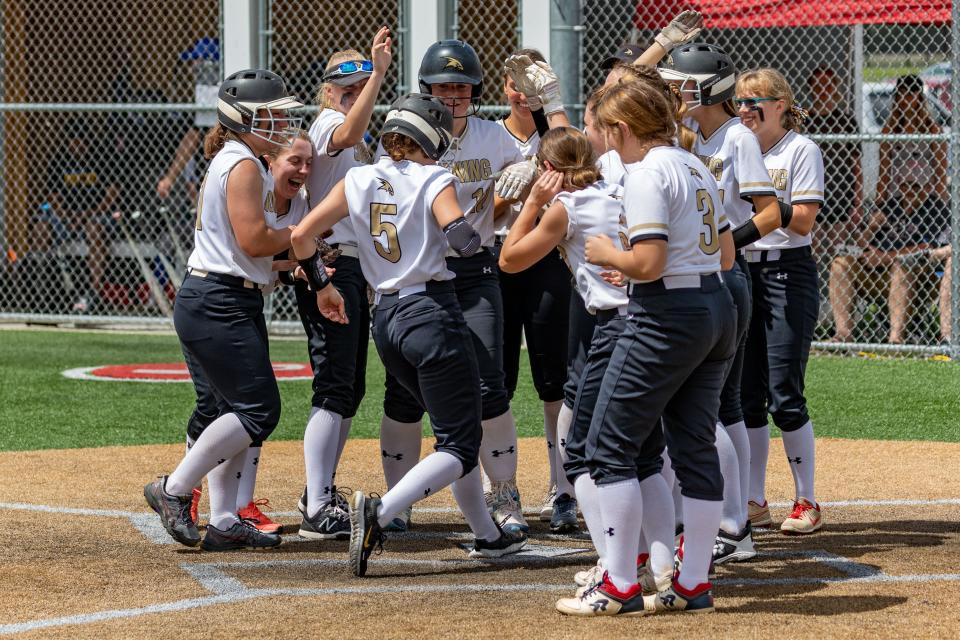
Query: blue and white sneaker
x=504 y=502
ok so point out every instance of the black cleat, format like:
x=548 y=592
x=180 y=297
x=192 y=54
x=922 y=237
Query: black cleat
x=242 y=535
x=174 y=512
x=564 y=519
x=329 y=523
x=508 y=542
x=366 y=536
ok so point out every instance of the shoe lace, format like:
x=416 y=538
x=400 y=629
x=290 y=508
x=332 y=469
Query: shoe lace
x=341 y=497
x=799 y=509
x=504 y=496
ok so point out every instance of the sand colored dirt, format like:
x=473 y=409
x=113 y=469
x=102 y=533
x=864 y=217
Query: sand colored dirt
x=58 y=565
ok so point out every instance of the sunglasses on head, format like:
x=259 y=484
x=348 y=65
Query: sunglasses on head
x=348 y=68
x=752 y=103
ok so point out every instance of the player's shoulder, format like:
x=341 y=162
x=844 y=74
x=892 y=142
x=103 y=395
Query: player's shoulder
x=326 y=118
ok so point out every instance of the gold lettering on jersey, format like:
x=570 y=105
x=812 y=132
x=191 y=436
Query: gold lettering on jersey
x=453 y=63
x=385 y=186
x=269 y=202
x=474 y=170
x=779 y=178
x=481 y=196
x=714 y=166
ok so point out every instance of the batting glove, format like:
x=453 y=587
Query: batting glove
x=515 y=178
x=537 y=81
x=681 y=30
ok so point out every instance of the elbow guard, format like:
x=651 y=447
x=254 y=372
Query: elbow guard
x=786 y=214
x=745 y=234
x=462 y=238
x=315 y=271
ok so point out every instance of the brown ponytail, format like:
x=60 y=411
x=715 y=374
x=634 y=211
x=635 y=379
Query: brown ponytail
x=628 y=72
x=569 y=152
x=215 y=139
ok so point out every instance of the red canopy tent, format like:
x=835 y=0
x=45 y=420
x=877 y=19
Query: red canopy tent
x=739 y=14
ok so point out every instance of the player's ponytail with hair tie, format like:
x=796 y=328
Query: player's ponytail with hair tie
x=215 y=139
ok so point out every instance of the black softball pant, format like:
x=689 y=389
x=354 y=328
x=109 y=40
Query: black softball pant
x=786 y=300
x=738 y=282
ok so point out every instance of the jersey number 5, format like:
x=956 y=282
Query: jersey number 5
x=378 y=228
x=709 y=240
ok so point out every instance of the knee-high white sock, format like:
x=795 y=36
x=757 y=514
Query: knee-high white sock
x=759 y=452
x=588 y=500
x=468 y=492
x=670 y=477
x=800 y=447
x=621 y=507
x=741 y=443
x=345 y=424
x=248 y=479
x=399 y=448
x=732 y=518
x=223 y=482
x=430 y=475
x=657 y=525
x=564 y=422
x=223 y=439
x=190 y=442
x=319 y=456
x=551 y=411
x=700 y=524
x=498 y=449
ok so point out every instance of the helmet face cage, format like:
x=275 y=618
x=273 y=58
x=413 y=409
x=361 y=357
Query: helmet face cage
x=688 y=84
x=707 y=67
x=269 y=127
x=255 y=101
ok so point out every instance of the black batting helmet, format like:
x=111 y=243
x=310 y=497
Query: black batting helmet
x=245 y=92
x=706 y=65
x=424 y=119
x=452 y=61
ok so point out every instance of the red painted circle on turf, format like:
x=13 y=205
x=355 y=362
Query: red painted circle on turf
x=169 y=371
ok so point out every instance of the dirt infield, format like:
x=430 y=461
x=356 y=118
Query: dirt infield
x=84 y=557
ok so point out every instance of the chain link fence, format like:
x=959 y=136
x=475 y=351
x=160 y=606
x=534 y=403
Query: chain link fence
x=103 y=106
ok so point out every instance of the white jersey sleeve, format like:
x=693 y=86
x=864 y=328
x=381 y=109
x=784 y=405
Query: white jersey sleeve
x=611 y=168
x=297 y=211
x=795 y=166
x=400 y=243
x=329 y=167
x=671 y=196
x=215 y=245
x=484 y=148
x=594 y=210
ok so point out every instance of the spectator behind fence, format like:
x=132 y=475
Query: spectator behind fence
x=830 y=114
x=81 y=192
x=894 y=234
x=901 y=161
x=944 y=256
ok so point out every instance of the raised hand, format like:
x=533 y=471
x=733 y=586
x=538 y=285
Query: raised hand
x=681 y=30
x=381 y=54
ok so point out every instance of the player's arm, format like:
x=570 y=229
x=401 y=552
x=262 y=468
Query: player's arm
x=185 y=150
x=728 y=252
x=245 y=211
x=768 y=217
x=645 y=260
x=461 y=236
x=528 y=242
x=351 y=131
x=321 y=219
x=681 y=30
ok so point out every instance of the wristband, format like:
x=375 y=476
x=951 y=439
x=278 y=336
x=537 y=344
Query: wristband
x=315 y=271
x=745 y=234
x=786 y=214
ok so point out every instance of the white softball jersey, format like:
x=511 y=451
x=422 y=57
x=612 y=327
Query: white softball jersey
x=329 y=167
x=611 y=168
x=670 y=195
x=528 y=148
x=595 y=210
x=795 y=166
x=298 y=210
x=733 y=157
x=215 y=246
x=400 y=243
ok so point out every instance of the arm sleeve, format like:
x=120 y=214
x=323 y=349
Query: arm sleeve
x=646 y=205
x=748 y=167
x=807 y=183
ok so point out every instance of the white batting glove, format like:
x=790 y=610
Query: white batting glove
x=537 y=81
x=515 y=178
x=681 y=30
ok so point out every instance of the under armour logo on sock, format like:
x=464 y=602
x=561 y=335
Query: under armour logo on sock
x=396 y=457
x=326 y=491
x=221 y=460
x=239 y=474
x=609 y=532
x=497 y=454
x=550 y=445
x=256 y=460
x=563 y=443
x=796 y=460
x=426 y=492
x=488 y=270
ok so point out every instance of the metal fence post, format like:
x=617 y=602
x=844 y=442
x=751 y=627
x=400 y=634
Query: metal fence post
x=955 y=182
x=566 y=30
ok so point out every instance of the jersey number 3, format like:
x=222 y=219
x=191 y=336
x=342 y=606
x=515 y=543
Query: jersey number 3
x=379 y=228
x=709 y=240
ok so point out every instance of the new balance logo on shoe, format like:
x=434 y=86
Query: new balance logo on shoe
x=796 y=460
x=609 y=531
x=397 y=457
x=497 y=454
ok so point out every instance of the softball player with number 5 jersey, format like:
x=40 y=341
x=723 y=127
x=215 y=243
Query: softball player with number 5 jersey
x=669 y=364
x=785 y=298
x=405 y=214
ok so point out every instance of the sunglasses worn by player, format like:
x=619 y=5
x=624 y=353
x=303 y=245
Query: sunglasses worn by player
x=348 y=68
x=752 y=103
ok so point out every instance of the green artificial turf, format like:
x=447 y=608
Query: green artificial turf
x=40 y=409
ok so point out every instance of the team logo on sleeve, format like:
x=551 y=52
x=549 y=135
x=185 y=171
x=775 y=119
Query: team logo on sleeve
x=453 y=63
x=695 y=173
x=385 y=186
